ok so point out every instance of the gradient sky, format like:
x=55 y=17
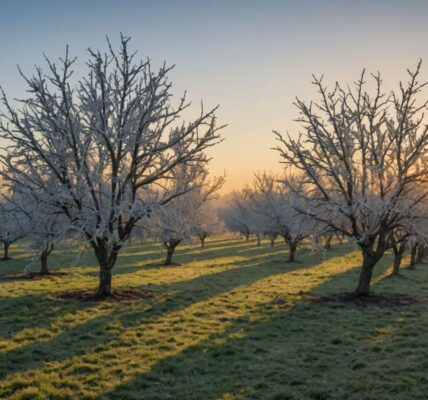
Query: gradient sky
x=251 y=57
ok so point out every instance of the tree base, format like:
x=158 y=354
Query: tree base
x=171 y=264
x=118 y=294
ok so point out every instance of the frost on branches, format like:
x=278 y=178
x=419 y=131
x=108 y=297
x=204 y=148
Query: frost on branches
x=183 y=216
x=13 y=225
x=93 y=147
x=360 y=158
x=273 y=207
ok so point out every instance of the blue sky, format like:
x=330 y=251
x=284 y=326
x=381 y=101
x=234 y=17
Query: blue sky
x=251 y=57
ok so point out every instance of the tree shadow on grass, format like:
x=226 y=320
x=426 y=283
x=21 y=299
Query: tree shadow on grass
x=125 y=265
x=298 y=351
x=32 y=311
x=101 y=330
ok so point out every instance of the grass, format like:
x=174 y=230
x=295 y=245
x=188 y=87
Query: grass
x=233 y=321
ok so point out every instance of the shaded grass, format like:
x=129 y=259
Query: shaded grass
x=232 y=322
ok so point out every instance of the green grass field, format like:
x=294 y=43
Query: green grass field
x=233 y=321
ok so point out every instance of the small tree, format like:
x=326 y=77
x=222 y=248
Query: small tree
x=105 y=140
x=181 y=217
x=361 y=157
x=206 y=222
x=273 y=204
x=237 y=215
x=13 y=226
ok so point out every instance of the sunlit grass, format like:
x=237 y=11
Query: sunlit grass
x=232 y=321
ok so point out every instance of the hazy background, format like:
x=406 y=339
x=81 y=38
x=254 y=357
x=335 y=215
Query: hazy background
x=251 y=57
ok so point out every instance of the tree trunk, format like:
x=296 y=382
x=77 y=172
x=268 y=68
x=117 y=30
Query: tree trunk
x=292 y=251
x=247 y=237
x=413 y=252
x=369 y=261
x=44 y=264
x=106 y=261
x=327 y=245
x=258 y=239
x=398 y=256
x=272 y=242
x=397 y=262
x=6 y=251
x=202 y=239
x=420 y=254
x=170 y=247
x=44 y=259
x=104 y=287
x=169 y=254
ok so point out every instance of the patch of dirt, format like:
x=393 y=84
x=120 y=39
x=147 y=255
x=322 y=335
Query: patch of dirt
x=388 y=300
x=118 y=294
x=31 y=276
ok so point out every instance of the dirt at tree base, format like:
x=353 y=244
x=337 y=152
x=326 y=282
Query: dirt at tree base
x=118 y=294
x=388 y=300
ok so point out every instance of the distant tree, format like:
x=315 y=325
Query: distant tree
x=237 y=215
x=273 y=204
x=13 y=226
x=361 y=157
x=206 y=222
x=181 y=217
x=105 y=140
x=44 y=226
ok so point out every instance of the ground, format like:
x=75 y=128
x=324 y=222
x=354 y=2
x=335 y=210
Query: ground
x=232 y=321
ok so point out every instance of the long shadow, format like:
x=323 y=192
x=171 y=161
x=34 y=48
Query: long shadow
x=32 y=311
x=128 y=264
x=73 y=342
x=85 y=337
x=306 y=351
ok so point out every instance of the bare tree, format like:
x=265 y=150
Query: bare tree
x=273 y=204
x=13 y=226
x=206 y=222
x=181 y=218
x=360 y=158
x=44 y=226
x=105 y=140
x=237 y=215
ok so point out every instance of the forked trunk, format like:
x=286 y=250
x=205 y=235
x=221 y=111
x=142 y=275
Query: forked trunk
x=202 y=239
x=258 y=239
x=272 y=242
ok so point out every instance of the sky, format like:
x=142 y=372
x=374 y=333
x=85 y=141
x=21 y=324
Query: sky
x=250 y=57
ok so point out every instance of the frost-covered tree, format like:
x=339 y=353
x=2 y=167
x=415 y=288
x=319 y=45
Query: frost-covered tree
x=237 y=215
x=272 y=203
x=206 y=222
x=13 y=226
x=44 y=226
x=104 y=140
x=361 y=156
x=181 y=217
